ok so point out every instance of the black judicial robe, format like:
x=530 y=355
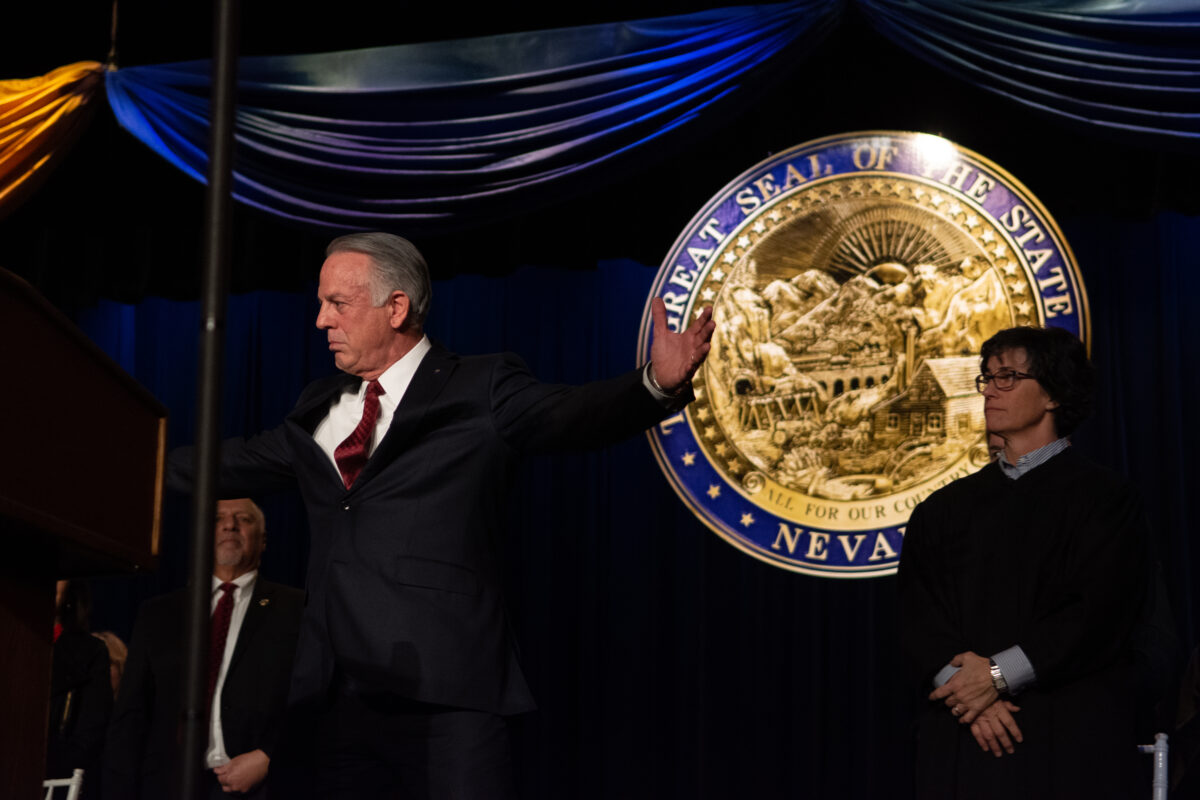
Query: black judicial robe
x=1055 y=562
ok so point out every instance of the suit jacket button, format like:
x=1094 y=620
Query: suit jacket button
x=346 y=507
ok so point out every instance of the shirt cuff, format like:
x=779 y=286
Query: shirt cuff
x=665 y=400
x=944 y=674
x=1015 y=667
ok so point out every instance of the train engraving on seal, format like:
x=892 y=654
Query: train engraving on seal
x=853 y=280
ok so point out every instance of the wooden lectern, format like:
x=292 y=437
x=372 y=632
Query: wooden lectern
x=81 y=478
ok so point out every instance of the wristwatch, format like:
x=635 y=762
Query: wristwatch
x=998 y=677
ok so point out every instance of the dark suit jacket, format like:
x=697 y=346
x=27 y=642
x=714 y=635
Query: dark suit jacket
x=141 y=754
x=404 y=590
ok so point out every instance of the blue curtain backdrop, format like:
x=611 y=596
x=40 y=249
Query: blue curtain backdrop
x=446 y=134
x=1131 y=69
x=667 y=664
x=1143 y=283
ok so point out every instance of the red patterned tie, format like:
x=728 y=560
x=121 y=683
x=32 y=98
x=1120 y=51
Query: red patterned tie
x=217 y=636
x=351 y=455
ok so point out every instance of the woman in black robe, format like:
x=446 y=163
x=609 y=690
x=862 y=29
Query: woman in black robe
x=1043 y=552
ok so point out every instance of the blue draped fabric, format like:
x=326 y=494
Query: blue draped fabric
x=428 y=136
x=1130 y=67
x=453 y=134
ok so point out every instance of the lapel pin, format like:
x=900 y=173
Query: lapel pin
x=264 y=602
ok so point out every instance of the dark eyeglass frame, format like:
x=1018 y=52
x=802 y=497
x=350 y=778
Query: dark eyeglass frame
x=1005 y=379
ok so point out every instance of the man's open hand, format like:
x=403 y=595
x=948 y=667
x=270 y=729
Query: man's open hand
x=675 y=357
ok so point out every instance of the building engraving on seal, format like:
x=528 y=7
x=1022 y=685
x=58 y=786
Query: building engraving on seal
x=853 y=281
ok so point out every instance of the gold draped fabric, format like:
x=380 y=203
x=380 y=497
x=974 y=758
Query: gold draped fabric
x=40 y=118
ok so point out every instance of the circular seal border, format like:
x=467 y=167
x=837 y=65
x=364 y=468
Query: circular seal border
x=963 y=175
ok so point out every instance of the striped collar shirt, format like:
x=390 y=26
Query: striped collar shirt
x=1032 y=459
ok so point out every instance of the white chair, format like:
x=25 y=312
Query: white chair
x=1159 y=749
x=73 y=784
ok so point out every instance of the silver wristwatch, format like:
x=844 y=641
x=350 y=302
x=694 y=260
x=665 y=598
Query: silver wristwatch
x=998 y=677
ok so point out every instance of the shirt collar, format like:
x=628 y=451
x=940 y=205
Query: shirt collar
x=398 y=376
x=242 y=582
x=1033 y=458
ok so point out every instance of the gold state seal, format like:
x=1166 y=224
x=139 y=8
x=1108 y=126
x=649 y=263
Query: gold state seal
x=853 y=280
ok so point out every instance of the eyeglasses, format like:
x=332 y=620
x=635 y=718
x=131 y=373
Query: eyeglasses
x=1005 y=379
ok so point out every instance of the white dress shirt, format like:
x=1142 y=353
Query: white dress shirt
x=215 y=755
x=346 y=411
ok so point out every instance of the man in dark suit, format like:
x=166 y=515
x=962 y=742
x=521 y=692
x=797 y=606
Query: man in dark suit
x=406 y=664
x=248 y=680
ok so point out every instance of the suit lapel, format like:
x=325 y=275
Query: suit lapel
x=309 y=412
x=256 y=613
x=313 y=407
x=435 y=369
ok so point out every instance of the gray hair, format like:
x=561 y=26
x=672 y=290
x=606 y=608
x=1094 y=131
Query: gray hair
x=396 y=265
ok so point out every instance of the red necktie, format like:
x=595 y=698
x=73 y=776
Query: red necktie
x=218 y=633
x=351 y=455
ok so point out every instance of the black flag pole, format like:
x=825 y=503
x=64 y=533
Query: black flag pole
x=215 y=282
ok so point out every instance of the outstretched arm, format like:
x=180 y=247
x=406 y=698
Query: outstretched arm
x=675 y=357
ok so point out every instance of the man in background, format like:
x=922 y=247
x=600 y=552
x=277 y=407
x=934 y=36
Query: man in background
x=254 y=629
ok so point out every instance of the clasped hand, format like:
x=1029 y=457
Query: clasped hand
x=995 y=729
x=243 y=772
x=971 y=697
